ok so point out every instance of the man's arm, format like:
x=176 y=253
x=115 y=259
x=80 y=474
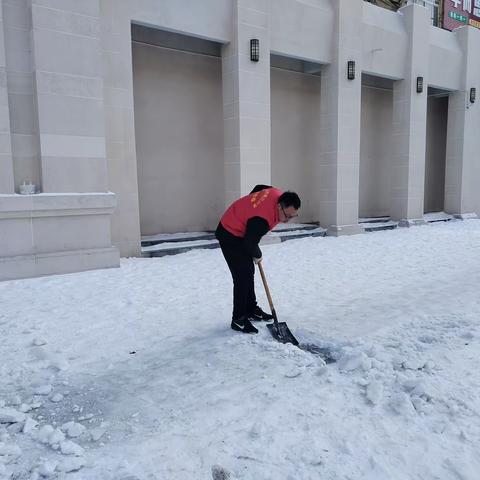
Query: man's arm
x=257 y=227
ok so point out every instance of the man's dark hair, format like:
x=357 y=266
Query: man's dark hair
x=289 y=199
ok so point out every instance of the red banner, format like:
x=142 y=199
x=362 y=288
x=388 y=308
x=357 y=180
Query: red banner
x=457 y=13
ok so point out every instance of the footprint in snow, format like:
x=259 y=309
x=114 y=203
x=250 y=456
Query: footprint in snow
x=220 y=473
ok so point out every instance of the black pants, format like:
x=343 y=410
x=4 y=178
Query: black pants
x=242 y=269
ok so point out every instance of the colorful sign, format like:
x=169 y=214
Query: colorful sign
x=457 y=13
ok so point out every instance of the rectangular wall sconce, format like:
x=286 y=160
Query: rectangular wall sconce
x=351 y=70
x=473 y=95
x=254 y=49
x=419 y=84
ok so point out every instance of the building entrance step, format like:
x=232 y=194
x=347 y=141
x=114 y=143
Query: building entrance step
x=150 y=240
x=374 y=224
x=173 y=248
x=174 y=243
x=437 y=217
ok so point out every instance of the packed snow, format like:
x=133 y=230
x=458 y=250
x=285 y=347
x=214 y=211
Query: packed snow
x=134 y=373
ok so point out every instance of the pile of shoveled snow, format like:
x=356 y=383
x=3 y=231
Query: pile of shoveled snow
x=134 y=373
x=32 y=421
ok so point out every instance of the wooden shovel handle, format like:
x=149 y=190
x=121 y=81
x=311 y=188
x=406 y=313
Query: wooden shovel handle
x=267 y=290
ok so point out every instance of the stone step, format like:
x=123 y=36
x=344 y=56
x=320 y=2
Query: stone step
x=438 y=217
x=290 y=227
x=299 y=233
x=378 y=226
x=375 y=224
x=173 y=248
x=173 y=244
x=150 y=240
x=374 y=219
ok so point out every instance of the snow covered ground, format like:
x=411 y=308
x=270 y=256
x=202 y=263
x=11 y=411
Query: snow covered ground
x=134 y=373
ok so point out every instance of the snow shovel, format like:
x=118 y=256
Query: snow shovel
x=279 y=330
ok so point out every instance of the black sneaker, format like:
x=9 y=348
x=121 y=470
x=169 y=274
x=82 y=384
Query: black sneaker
x=243 y=325
x=258 y=314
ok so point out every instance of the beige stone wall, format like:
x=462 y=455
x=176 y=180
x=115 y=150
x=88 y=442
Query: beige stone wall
x=295 y=113
x=179 y=139
x=47 y=234
x=383 y=48
x=376 y=152
x=210 y=19
x=52 y=131
x=437 y=115
x=67 y=112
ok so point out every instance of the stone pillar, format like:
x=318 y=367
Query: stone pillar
x=69 y=89
x=120 y=124
x=410 y=122
x=246 y=101
x=25 y=144
x=461 y=183
x=337 y=170
x=6 y=162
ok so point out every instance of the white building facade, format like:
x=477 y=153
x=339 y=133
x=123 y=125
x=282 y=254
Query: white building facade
x=137 y=117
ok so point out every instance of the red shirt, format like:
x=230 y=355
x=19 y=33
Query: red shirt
x=261 y=204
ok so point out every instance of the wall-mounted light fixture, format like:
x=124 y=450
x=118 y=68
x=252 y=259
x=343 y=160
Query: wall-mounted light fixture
x=419 y=84
x=351 y=70
x=473 y=94
x=254 y=49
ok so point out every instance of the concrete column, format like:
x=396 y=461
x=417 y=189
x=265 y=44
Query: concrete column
x=120 y=125
x=461 y=182
x=337 y=170
x=410 y=122
x=6 y=162
x=25 y=144
x=246 y=101
x=69 y=89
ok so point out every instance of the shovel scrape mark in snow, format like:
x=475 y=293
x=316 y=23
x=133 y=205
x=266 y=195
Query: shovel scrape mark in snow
x=325 y=353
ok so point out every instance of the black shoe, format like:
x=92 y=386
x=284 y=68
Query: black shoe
x=244 y=325
x=258 y=314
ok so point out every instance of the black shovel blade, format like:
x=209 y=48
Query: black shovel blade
x=282 y=333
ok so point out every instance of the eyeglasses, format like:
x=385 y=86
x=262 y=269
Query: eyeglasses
x=287 y=216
